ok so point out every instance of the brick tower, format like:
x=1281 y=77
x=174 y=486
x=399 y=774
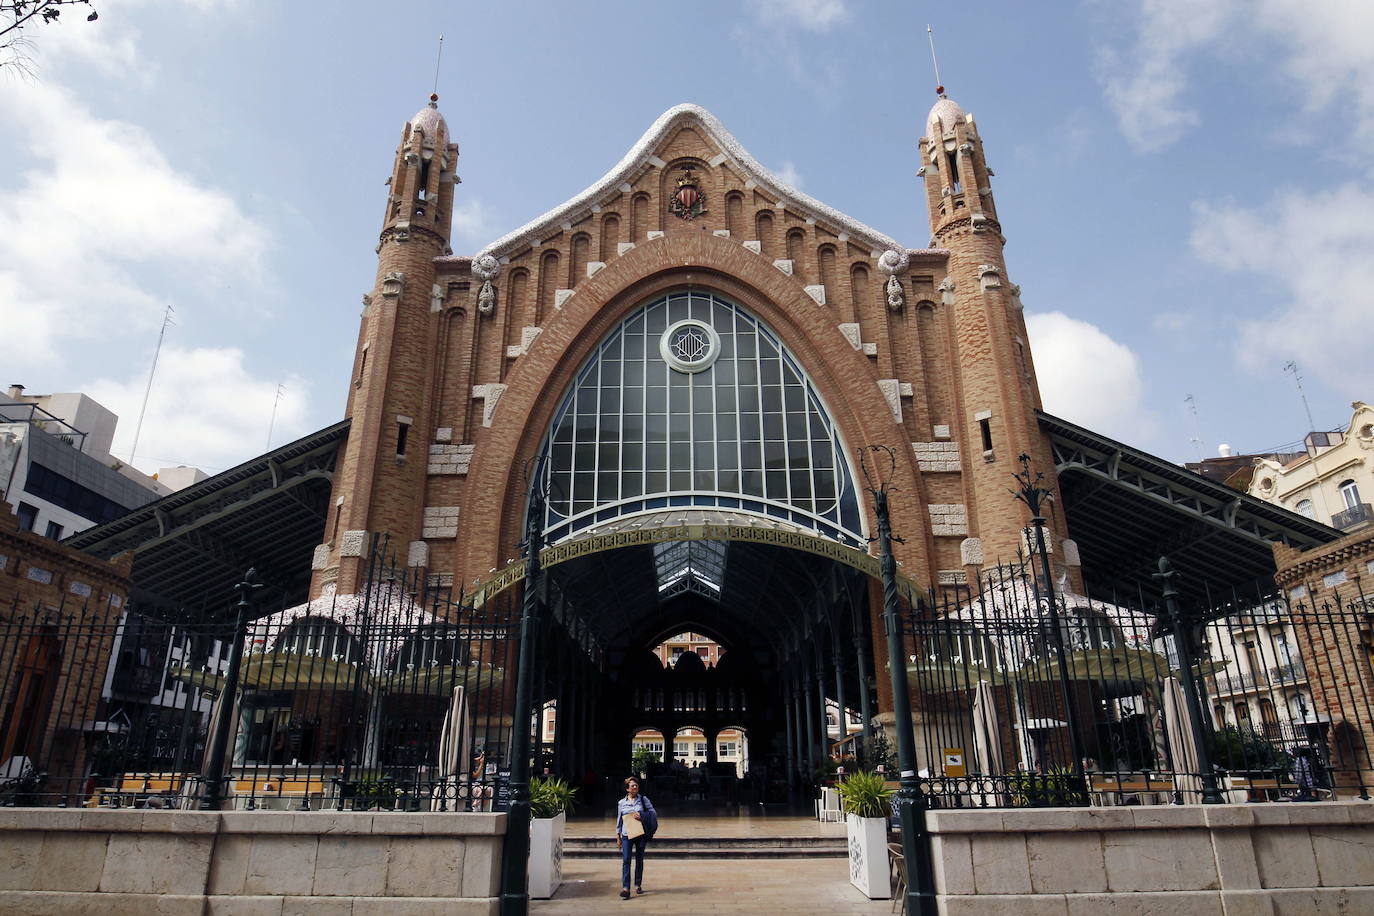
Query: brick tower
x=379 y=484
x=993 y=373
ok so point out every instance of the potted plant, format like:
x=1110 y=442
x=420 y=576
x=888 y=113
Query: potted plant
x=865 y=798
x=551 y=799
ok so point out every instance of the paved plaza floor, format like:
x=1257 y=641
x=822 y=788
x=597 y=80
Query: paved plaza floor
x=758 y=886
x=725 y=885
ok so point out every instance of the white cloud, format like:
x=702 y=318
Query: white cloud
x=1316 y=248
x=1087 y=377
x=812 y=15
x=789 y=175
x=471 y=224
x=206 y=409
x=1321 y=48
x=95 y=205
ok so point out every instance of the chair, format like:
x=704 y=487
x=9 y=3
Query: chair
x=896 y=865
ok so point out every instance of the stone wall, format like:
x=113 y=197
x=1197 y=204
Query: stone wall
x=250 y=862
x=1185 y=861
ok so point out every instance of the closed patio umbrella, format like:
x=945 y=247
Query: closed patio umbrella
x=1182 y=751
x=453 y=742
x=987 y=740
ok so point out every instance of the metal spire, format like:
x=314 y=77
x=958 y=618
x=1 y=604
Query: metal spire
x=437 y=60
x=939 y=86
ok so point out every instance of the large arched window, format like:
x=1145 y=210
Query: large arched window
x=692 y=401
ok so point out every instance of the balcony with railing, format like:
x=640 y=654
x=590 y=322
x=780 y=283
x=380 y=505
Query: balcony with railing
x=1277 y=676
x=1357 y=516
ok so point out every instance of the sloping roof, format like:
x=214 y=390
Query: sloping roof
x=641 y=156
x=1126 y=508
x=192 y=547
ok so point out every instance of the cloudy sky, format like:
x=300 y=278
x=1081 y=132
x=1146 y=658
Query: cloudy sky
x=1184 y=184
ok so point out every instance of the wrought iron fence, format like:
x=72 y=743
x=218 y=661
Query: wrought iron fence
x=1283 y=693
x=395 y=697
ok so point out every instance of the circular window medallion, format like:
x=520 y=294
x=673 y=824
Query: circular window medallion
x=689 y=346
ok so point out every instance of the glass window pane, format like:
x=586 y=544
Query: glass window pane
x=749 y=425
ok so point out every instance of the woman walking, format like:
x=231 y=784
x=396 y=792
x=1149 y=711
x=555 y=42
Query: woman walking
x=635 y=821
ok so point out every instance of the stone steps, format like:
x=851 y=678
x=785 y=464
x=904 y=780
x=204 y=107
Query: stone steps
x=726 y=847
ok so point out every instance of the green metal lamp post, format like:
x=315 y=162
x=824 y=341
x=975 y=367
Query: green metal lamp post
x=219 y=746
x=1029 y=491
x=1182 y=628
x=515 y=898
x=908 y=802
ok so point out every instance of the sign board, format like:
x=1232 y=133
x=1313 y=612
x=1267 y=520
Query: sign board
x=954 y=761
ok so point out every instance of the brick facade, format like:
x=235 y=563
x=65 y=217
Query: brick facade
x=471 y=354
x=1328 y=588
x=46 y=588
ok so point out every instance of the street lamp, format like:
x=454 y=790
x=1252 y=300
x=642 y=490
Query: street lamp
x=515 y=899
x=219 y=744
x=1029 y=491
x=1182 y=627
x=879 y=465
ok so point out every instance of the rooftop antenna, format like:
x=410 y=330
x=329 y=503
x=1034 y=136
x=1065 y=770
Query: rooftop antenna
x=939 y=86
x=138 y=429
x=1291 y=368
x=1197 y=429
x=276 y=399
x=437 y=60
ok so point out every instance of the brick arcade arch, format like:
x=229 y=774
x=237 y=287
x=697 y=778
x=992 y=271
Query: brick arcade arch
x=844 y=378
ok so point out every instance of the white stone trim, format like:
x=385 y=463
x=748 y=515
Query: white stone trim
x=948 y=519
x=641 y=155
x=417 y=554
x=816 y=292
x=443 y=434
x=527 y=338
x=490 y=394
x=561 y=296
x=937 y=456
x=654 y=234
x=352 y=543
x=594 y=266
x=622 y=247
x=784 y=265
x=320 y=558
x=449 y=459
x=753 y=245
x=971 y=552
x=892 y=391
x=439 y=522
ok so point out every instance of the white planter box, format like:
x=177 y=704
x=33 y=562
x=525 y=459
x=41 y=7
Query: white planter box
x=868 y=869
x=546 y=855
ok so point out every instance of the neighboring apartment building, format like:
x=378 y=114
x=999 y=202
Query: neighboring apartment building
x=690 y=747
x=56 y=469
x=1261 y=682
x=705 y=648
x=1333 y=482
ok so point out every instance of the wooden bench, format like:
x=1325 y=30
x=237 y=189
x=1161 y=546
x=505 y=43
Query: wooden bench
x=1112 y=789
x=132 y=788
x=277 y=792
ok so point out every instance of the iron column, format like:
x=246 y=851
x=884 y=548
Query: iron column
x=1183 y=643
x=1033 y=495
x=214 y=775
x=910 y=804
x=515 y=898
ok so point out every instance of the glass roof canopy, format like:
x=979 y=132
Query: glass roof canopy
x=699 y=565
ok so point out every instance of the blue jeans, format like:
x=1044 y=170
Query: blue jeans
x=626 y=846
